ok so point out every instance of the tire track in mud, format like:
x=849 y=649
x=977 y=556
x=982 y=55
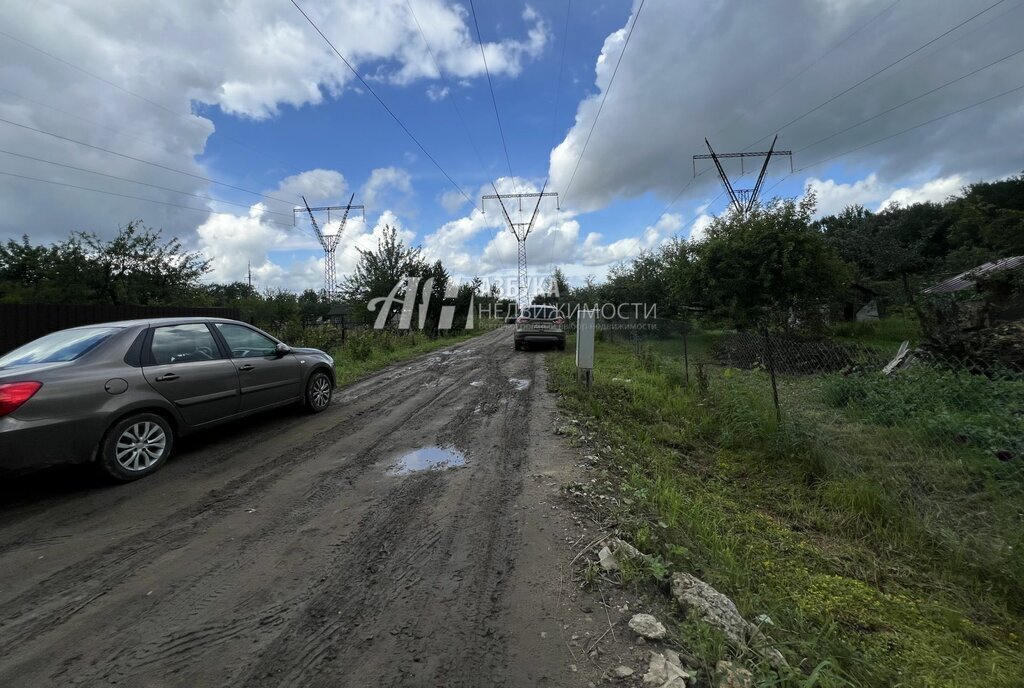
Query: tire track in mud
x=342 y=577
x=444 y=580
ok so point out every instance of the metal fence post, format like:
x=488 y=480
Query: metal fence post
x=686 y=354
x=771 y=373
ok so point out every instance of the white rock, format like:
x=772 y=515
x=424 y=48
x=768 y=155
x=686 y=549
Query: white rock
x=729 y=676
x=715 y=609
x=623 y=549
x=608 y=560
x=622 y=671
x=647 y=626
x=665 y=671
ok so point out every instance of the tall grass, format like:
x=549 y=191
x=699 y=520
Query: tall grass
x=874 y=571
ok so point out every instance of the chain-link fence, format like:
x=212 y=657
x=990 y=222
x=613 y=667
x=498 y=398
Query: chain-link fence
x=894 y=428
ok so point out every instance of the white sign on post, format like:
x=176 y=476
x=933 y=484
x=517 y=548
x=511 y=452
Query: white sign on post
x=586 y=324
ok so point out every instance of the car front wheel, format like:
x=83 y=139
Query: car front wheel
x=318 y=392
x=135 y=447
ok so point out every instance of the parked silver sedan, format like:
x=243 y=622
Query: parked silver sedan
x=120 y=393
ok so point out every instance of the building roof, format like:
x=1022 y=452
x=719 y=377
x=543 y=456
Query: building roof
x=966 y=280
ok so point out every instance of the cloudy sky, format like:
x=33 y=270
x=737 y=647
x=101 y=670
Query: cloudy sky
x=211 y=119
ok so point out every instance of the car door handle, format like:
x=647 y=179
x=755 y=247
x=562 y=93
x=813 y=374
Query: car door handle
x=247 y=366
x=167 y=377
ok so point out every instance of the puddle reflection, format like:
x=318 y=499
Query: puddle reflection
x=426 y=459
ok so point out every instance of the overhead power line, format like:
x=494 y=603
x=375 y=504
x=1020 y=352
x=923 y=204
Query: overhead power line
x=911 y=100
x=145 y=162
x=561 y=69
x=121 y=195
x=908 y=129
x=381 y=101
x=880 y=71
x=143 y=98
x=447 y=85
x=931 y=42
x=607 y=89
x=818 y=59
x=133 y=181
x=898 y=133
x=494 y=100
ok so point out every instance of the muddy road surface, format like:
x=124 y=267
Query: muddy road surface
x=289 y=550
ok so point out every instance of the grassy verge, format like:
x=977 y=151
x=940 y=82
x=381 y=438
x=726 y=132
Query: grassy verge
x=877 y=567
x=367 y=351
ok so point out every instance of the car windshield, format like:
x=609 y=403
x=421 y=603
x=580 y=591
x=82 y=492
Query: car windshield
x=66 y=345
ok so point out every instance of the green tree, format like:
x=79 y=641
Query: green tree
x=135 y=267
x=379 y=271
x=138 y=266
x=768 y=266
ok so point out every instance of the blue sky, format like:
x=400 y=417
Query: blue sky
x=249 y=96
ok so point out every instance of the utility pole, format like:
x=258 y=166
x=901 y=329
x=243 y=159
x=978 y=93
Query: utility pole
x=742 y=199
x=329 y=242
x=250 y=275
x=520 y=230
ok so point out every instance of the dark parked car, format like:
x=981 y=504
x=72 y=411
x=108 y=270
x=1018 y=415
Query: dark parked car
x=120 y=393
x=539 y=325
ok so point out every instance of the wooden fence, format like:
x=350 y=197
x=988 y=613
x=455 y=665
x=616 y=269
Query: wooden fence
x=21 y=323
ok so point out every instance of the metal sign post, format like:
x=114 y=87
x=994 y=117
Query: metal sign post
x=586 y=324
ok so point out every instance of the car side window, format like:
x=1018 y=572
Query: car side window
x=246 y=343
x=183 y=344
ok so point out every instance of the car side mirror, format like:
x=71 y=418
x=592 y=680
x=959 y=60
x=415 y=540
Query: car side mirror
x=281 y=349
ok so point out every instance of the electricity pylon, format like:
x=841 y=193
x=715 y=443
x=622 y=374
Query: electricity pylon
x=520 y=230
x=330 y=242
x=742 y=199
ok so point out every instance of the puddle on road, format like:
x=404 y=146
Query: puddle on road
x=519 y=383
x=427 y=459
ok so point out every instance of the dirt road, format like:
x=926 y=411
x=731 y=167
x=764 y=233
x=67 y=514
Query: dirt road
x=291 y=550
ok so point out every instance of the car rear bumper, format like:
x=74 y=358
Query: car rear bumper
x=39 y=443
x=540 y=337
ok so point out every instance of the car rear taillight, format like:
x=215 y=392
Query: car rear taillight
x=522 y=321
x=14 y=394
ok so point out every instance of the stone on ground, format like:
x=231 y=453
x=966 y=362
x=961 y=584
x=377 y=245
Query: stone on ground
x=646 y=626
x=664 y=670
x=622 y=671
x=696 y=597
x=727 y=675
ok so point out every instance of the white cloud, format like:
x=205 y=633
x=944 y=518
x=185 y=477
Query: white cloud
x=594 y=253
x=936 y=190
x=317 y=186
x=279 y=256
x=449 y=243
x=873 y=194
x=700 y=227
x=451 y=200
x=664 y=102
x=436 y=92
x=249 y=59
x=233 y=243
x=386 y=182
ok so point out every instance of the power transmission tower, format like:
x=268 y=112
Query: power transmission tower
x=329 y=242
x=742 y=199
x=520 y=230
